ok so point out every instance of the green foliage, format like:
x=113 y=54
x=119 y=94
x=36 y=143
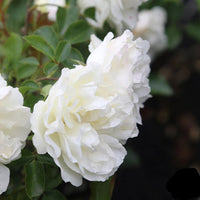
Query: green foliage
x=198 y=4
x=75 y=58
x=13 y=48
x=29 y=85
x=26 y=158
x=53 y=194
x=174 y=36
x=78 y=31
x=102 y=190
x=53 y=178
x=45 y=159
x=6 y=4
x=27 y=67
x=159 y=86
x=90 y=12
x=63 y=51
x=16 y=14
x=193 y=30
x=35 y=179
x=65 y=17
x=19 y=195
x=45 y=90
x=40 y=44
x=50 y=68
x=48 y=34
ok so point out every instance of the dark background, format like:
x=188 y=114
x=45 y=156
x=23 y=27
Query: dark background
x=169 y=138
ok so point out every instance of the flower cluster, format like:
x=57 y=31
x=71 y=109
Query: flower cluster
x=14 y=128
x=151 y=27
x=121 y=14
x=92 y=110
x=51 y=9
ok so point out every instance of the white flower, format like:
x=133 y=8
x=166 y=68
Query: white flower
x=50 y=9
x=91 y=110
x=4 y=178
x=151 y=27
x=14 y=128
x=121 y=14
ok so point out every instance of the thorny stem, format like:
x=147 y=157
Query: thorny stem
x=46 y=78
x=3 y=21
x=27 y=18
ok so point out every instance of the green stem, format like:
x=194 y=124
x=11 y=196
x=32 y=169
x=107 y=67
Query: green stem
x=102 y=190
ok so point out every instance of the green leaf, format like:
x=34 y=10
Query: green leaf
x=16 y=15
x=35 y=179
x=27 y=67
x=102 y=190
x=65 y=17
x=45 y=159
x=175 y=10
x=17 y=195
x=71 y=2
x=172 y=1
x=53 y=195
x=5 y=4
x=198 y=4
x=193 y=30
x=159 y=86
x=50 y=68
x=13 y=47
x=45 y=90
x=53 y=177
x=26 y=157
x=78 y=32
x=90 y=12
x=174 y=36
x=31 y=99
x=29 y=85
x=74 y=58
x=62 y=51
x=29 y=61
x=41 y=45
x=76 y=55
x=21 y=195
x=49 y=35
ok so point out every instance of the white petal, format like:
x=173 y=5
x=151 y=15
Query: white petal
x=94 y=42
x=4 y=178
x=38 y=127
x=2 y=82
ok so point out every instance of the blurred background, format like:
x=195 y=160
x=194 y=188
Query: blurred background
x=169 y=138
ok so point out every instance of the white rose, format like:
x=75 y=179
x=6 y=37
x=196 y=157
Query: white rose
x=92 y=110
x=125 y=64
x=151 y=27
x=50 y=9
x=14 y=127
x=121 y=14
x=4 y=178
x=102 y=9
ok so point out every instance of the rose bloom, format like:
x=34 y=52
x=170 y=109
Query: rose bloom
x=14 y=128
x=92 y=110
x=121 y=14
x=151 y=27
x=50 y=9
